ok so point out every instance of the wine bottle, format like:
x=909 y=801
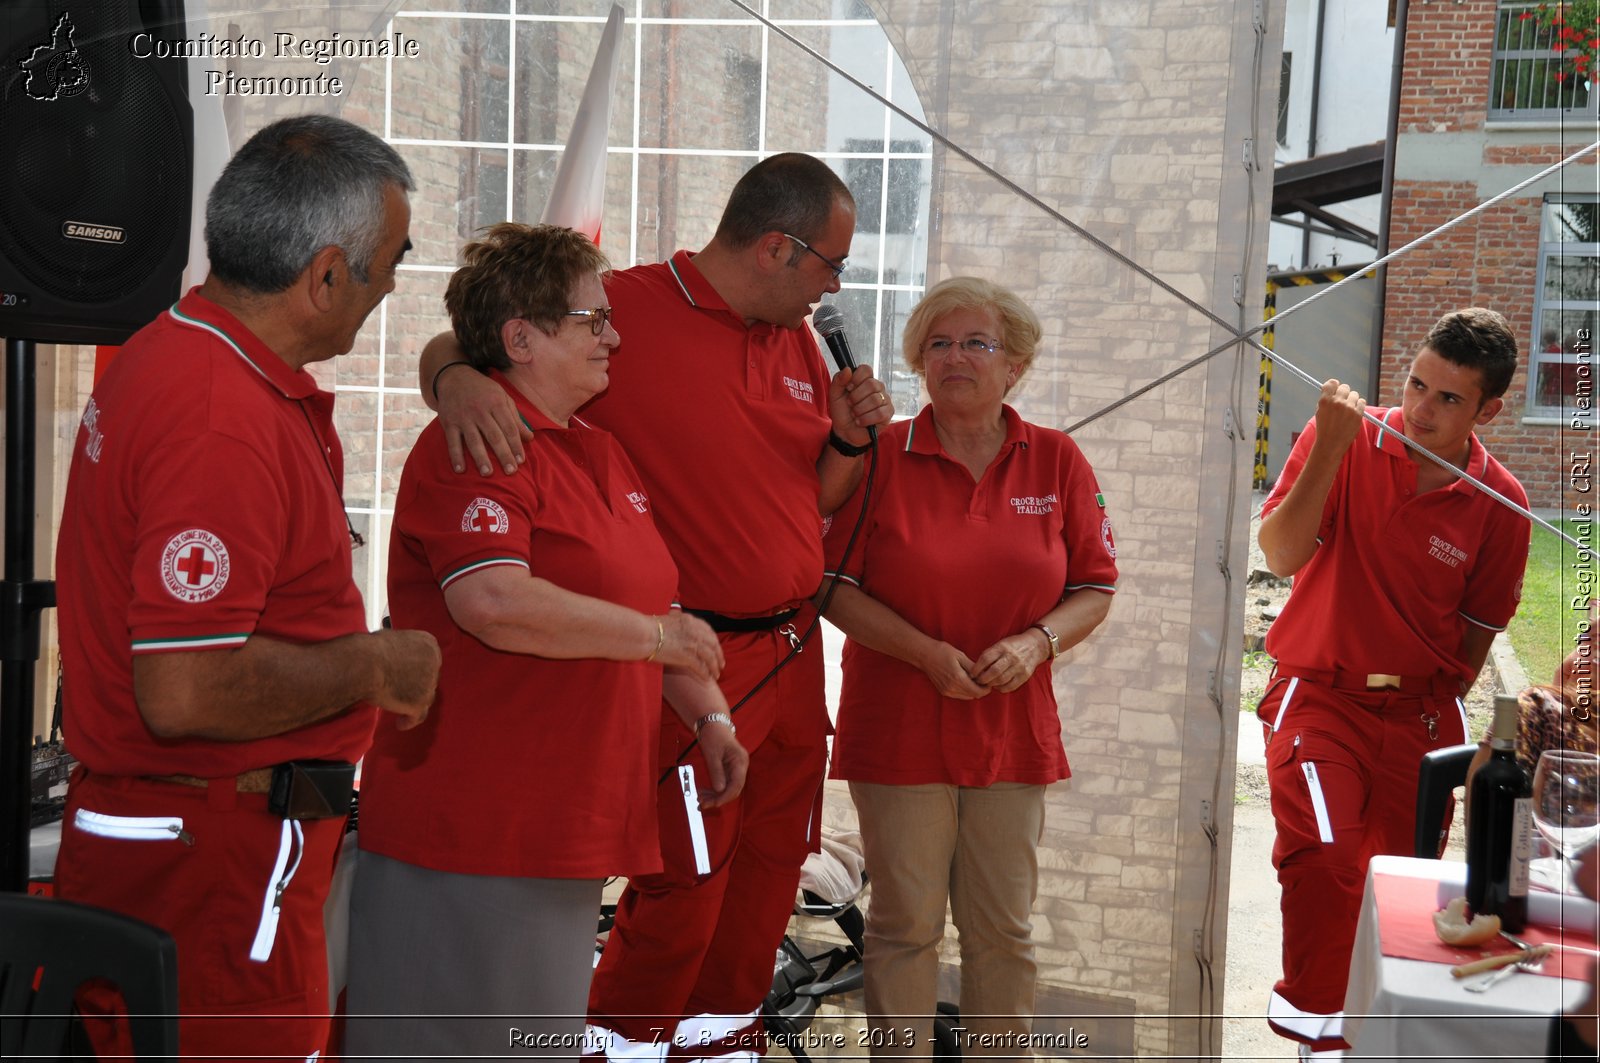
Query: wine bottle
x=1500 y=827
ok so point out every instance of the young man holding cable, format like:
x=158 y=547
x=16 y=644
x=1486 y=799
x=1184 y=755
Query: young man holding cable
x=1404 y=572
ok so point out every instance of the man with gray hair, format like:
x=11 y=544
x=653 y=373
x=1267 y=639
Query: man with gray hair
x=219 y=679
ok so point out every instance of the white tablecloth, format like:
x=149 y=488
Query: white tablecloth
x=1411 y=1009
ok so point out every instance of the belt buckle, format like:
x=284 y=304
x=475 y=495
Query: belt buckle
x=1379 y=681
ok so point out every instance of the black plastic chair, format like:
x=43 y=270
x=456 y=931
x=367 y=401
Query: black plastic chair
x=48 y=948
x=1442 y=771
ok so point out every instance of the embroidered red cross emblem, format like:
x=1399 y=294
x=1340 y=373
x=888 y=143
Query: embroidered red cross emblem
x=196 y=565
x=483 y=519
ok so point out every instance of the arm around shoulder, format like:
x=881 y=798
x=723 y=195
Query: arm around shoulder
x=480 y=420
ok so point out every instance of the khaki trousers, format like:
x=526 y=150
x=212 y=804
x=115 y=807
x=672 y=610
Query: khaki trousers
x=977 y=848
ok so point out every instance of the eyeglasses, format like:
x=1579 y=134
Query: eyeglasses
x=971 y=345
x=837 y=267
x=599 y=317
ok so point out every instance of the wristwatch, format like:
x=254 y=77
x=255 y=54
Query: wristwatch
x=848 y=449
x=1052 y=638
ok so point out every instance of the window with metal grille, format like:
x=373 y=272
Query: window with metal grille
x=1566 y=298
x=1529 y=79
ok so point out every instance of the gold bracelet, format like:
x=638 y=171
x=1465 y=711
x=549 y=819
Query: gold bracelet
x=661 y=640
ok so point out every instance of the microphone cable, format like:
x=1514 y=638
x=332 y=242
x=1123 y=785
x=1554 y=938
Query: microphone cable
x=799 y=641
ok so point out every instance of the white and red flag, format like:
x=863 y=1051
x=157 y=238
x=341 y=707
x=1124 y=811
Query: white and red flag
x=577 y=198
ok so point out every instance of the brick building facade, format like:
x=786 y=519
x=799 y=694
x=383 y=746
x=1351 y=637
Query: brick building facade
x=1471 y=125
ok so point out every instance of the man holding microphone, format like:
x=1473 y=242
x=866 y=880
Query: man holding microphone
x=745 y=444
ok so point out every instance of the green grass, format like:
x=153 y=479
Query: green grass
x=1546 y=623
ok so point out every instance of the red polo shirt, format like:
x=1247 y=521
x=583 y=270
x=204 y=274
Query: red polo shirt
x=526 y=765
x=203 y=507
x=726 y=422
x=968 y=564
x=1398 y=575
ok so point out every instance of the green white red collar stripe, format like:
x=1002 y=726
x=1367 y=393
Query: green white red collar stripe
x=194 y=322
x=683 y=287
x=190 y=642
x=291 y=383
x=1386 y=431
x=690 y=281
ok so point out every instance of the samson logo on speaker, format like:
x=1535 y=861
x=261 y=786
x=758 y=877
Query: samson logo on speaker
x=101 y=234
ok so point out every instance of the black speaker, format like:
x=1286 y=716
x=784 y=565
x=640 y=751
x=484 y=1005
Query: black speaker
x=97 y=137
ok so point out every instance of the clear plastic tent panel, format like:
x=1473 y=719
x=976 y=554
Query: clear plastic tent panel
x=1093 y=156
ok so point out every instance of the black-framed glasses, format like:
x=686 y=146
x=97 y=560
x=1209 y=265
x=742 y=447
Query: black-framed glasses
x=837 y=267
x=598 y=317
x=971 y=345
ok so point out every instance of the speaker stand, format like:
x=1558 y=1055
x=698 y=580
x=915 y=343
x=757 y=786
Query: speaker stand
x=22 y=600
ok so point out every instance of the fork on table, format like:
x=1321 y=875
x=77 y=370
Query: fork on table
x=1534 y=961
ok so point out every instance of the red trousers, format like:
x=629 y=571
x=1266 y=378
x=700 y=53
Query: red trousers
x=691 y=956
x=207 y=887
x=1342 y=766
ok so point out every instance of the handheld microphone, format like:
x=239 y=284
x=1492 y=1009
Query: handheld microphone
x=829 y=321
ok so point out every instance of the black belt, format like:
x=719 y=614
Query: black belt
x=742 y=624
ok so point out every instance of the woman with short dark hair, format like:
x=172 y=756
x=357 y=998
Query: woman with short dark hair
x=487 y=832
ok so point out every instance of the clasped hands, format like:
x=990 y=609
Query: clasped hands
x=1004 y=666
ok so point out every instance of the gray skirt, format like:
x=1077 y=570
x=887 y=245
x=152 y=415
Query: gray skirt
x=463 y=966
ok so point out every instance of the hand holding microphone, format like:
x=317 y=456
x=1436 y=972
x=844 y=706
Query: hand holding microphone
x=856 y=399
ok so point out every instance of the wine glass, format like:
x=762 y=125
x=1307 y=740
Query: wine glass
x=1566 y=802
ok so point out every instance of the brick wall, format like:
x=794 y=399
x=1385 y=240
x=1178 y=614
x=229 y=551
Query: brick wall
x=1488 y=260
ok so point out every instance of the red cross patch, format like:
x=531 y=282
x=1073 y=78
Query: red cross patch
x=194 y=566
x=1105 y=538
x=485 y=515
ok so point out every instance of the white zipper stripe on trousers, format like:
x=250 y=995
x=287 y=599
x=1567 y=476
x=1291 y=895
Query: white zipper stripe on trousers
x=1283 y=706
x=600 y=1042
x=1318 y=804
x=292 y=836
x=132 y=828
x=697 y=822
x=706 y=1029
